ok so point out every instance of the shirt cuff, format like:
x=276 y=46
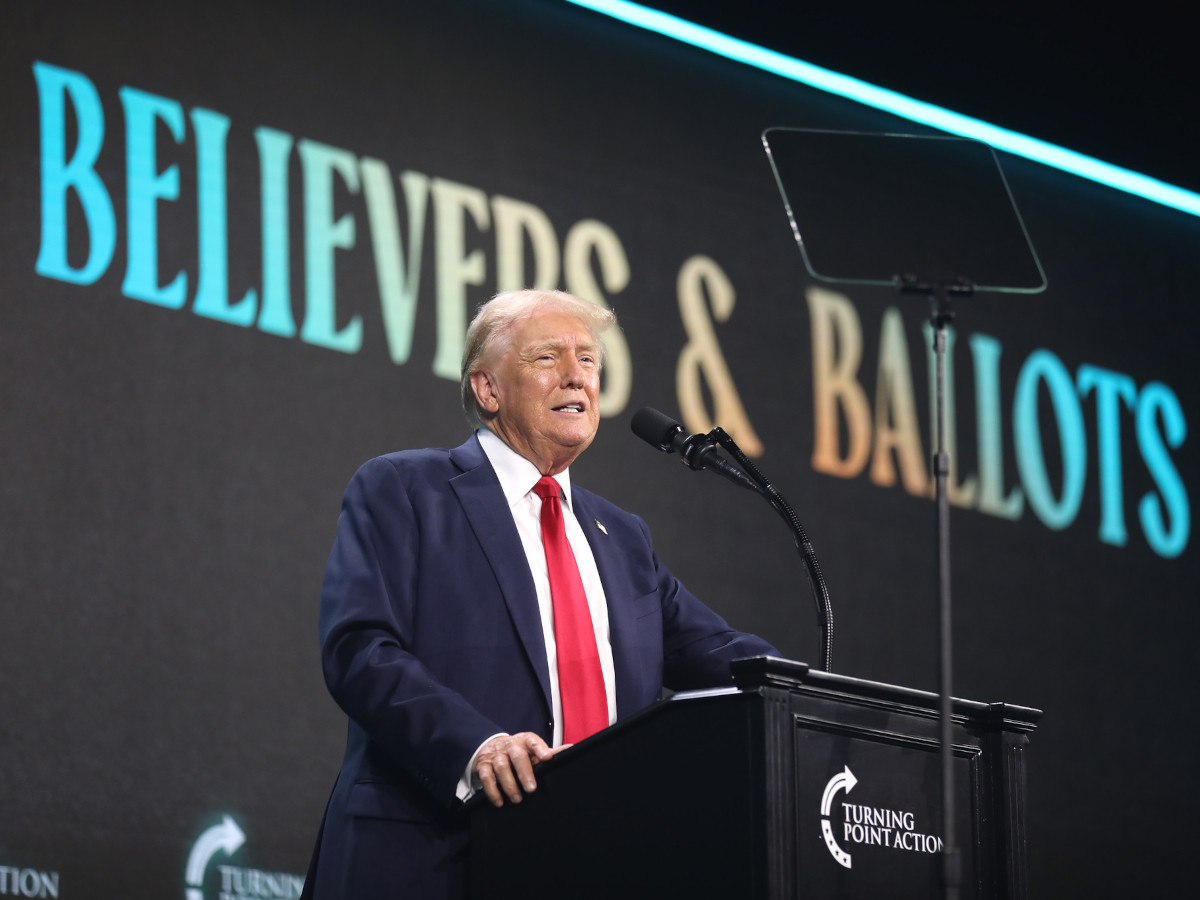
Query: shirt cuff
x=469 y=783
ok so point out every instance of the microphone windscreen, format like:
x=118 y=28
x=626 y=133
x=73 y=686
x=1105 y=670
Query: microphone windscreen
x=654 y=427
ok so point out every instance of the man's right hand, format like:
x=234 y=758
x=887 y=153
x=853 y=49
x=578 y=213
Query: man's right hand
x=504 y=765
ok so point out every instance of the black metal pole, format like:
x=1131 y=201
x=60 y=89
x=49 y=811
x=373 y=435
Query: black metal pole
x=950 y=869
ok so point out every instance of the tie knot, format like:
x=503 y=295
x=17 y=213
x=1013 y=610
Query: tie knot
x=546 y=488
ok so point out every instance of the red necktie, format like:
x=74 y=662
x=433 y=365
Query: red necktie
x=580 y=684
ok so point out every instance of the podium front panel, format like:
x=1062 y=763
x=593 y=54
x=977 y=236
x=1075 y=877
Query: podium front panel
x=868 y=812
x=666 y=805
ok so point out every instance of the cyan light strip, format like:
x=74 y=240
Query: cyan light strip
x=898 y=104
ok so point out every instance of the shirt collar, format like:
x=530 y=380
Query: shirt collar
x=517 y=474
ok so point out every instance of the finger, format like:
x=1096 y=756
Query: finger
x=541 y=749
x=487 y=777
x=523 y=767
x=507 y=782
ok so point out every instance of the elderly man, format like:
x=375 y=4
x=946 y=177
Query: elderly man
x=480 y=612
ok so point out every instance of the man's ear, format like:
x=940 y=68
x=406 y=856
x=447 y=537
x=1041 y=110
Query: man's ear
x=484 y=389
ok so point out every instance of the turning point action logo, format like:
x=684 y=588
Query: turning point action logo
x=234 y=881
x=868 y=825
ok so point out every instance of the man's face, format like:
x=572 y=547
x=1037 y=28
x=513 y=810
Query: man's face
x=542 y=390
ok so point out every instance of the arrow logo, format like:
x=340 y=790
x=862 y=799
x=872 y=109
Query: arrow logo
x=226 y=836
x=843 y=780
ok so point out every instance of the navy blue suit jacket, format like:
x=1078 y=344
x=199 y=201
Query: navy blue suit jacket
x=431 y=642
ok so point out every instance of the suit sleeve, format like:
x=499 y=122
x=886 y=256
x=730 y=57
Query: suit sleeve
x=368 y=610
x=698 y=644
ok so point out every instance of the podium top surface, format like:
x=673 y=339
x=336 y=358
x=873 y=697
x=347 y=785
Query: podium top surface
x=798 y=677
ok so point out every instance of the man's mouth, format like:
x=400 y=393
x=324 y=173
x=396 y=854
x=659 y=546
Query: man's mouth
x=570 y=407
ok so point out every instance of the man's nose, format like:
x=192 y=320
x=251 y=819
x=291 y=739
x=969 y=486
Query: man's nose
x=572 y=372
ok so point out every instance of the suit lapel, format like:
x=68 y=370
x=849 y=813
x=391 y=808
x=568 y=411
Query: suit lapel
x=483 y=502
x=627 y=669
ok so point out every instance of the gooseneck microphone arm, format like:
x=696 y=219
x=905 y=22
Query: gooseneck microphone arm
x=815 y=578
x=699 y=452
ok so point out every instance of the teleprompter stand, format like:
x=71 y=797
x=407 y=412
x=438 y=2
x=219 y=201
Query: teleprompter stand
x=927 y=215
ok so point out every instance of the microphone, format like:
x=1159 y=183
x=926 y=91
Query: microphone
x=696 y=451
x=699 y=451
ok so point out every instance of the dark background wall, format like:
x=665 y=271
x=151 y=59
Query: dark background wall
x=171 y=480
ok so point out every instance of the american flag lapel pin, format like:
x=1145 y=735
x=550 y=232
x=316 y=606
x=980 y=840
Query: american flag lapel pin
x=600 y=525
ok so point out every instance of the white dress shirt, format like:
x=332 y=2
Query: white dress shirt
x=517 y=477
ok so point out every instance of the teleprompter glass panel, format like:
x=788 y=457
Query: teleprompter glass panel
x=869 y=208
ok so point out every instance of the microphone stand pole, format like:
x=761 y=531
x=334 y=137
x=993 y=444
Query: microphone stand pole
x=941 y=315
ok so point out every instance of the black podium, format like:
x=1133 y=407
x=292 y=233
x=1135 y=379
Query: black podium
x=794 y=784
